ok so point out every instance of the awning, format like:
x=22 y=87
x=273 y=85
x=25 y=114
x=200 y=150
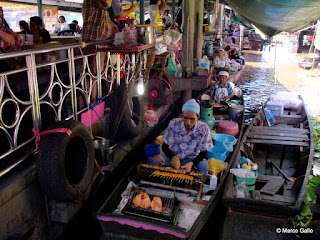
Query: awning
x=274 y=16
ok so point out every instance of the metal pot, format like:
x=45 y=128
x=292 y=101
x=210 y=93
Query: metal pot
x=104 y=150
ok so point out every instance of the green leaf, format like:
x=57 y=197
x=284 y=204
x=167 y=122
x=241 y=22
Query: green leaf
x=311 y=196
x=305 y=211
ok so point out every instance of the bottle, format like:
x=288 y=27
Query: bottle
x=269 y=117
x=205 y=63
x=213 y=182
x=209 y=48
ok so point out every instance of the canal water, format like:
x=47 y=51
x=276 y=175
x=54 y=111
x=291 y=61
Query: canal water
x=257 y=83
x=280 y=61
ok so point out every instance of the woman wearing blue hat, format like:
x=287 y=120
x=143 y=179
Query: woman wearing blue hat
x=185 y=142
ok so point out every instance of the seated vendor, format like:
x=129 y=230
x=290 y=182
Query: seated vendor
x=222 y=90
x=185 y=142
x=39 y=32
x=220 y=61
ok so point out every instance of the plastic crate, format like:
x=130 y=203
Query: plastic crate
x=276 y=108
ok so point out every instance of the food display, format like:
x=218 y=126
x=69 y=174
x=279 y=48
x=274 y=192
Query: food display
x=156 y=204
x=142 y=200
x=169 y=178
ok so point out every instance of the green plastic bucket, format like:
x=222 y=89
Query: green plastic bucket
x=250 y=182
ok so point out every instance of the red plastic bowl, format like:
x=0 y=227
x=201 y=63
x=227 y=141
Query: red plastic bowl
x=228 y=127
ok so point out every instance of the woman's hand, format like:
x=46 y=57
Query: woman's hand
x=175 y=162
x=187 y=167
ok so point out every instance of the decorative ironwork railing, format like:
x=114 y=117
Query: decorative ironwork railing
x=38 y=92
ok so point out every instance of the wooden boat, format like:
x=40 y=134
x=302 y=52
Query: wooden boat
x=236 y=76
x=137 y=223
x=284 y=154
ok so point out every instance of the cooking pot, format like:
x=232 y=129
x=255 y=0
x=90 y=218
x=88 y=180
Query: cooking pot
x=223 y=108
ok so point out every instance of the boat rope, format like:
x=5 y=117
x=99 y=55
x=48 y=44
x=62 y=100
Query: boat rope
x=37 y=135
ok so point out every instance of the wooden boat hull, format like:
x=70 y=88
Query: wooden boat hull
x=288 y=145
x=235 y=77
x=135 y=227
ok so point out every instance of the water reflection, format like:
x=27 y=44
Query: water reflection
x=261 y=66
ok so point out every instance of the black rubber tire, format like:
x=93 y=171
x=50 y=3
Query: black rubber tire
x=65 y=166
x=131 y=124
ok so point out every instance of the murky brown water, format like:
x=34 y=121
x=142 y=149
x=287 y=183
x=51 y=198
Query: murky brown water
x=281 y=61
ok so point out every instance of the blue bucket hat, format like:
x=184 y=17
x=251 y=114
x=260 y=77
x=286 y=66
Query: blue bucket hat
x=191 y=106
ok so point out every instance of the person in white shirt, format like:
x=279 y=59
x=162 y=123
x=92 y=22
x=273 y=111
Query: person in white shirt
x=220 y=61
x=61 y=26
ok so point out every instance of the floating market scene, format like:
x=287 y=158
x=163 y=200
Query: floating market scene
x=160 y=119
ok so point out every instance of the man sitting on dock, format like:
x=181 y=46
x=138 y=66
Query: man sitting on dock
x=185 y=142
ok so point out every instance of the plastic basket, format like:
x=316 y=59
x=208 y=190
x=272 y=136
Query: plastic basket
x=250 y=182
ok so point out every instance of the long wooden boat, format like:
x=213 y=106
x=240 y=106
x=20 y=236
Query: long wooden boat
x=236 y=76
x=284 y=154
x=134 y=223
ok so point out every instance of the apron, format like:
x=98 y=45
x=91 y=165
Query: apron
x=220 y=93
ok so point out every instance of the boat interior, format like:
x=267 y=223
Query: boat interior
x=283 y=155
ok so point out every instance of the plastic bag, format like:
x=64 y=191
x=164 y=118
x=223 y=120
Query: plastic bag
x=171 y=66
x=240 y=190
x=215 y=166
x=151 y=117
x=290 y=100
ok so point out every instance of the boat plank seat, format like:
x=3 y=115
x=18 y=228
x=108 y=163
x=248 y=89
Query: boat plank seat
x=273 y=185
x=280 y=129
x=279 y=135
x=278 y=198
x=279 y=142
x=285 y=138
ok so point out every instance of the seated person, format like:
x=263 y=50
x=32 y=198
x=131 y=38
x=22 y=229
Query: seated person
x=61 y=26
x=74 y=26
x=227 y=52
x=185 y=142
x=24 y=27
x=234 y=54
x=39 y=33
x=222 y=90
x=220 y=61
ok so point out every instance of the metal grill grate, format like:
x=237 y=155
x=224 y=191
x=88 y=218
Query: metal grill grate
x=170 y=208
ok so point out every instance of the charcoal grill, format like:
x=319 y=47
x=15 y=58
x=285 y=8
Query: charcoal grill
x=170 y=208
x=147 y=178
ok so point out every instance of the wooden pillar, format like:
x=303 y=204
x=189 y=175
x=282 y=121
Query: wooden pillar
x=188 y=36
x=199 y=30
x=141 y=12
x=39 y=4
x=173 y=11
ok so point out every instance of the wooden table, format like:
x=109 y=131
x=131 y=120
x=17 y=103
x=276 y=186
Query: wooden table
x=41 y=45
x=124 y=49
x=66 y=39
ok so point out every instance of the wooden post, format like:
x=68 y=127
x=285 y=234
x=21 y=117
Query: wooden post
x=141 y=12
x=199 y=30
x=39 y=5
x=173 y=11
x=188 y=36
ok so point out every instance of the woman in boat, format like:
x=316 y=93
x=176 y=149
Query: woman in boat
x=185 y=142
x=222 y=90
x=220 y=62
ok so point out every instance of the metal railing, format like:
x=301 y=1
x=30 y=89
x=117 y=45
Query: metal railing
x=38 y=92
